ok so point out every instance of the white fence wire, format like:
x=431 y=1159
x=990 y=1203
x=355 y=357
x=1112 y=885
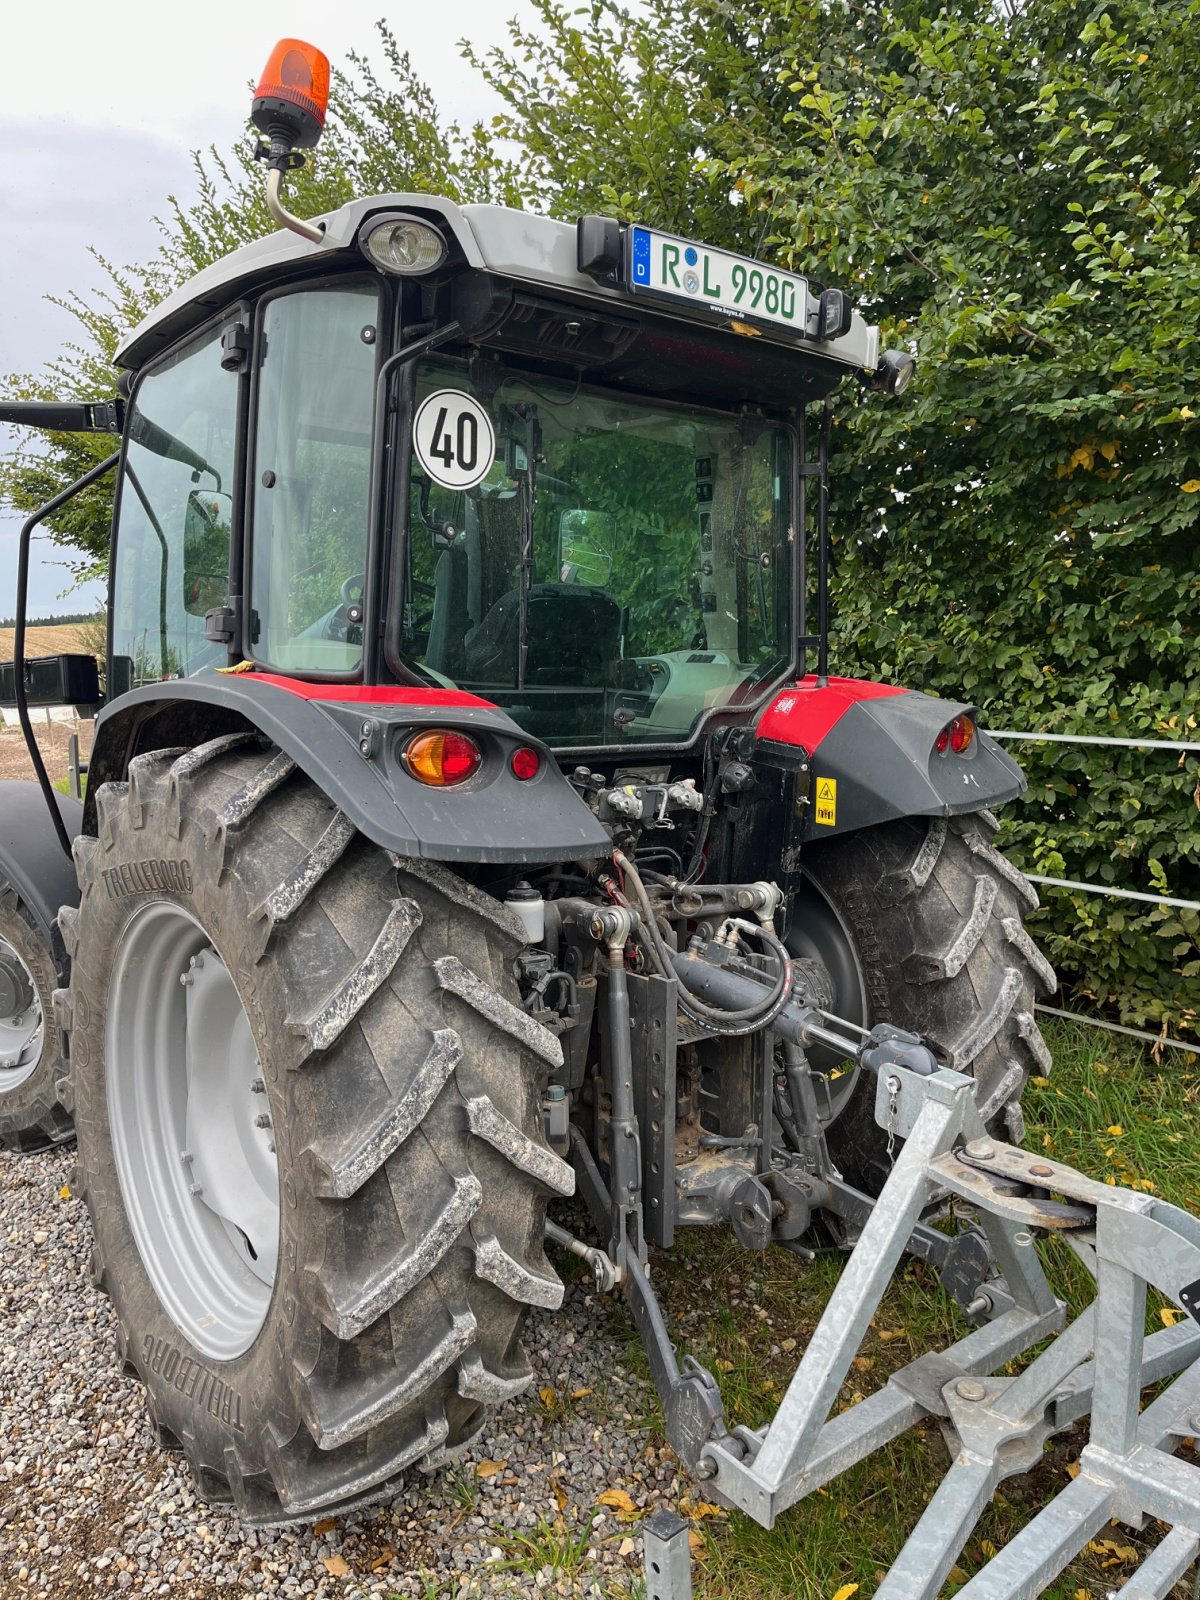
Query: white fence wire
x=1110 y=890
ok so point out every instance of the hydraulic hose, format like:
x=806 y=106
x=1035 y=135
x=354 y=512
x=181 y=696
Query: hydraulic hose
x=733 y=1022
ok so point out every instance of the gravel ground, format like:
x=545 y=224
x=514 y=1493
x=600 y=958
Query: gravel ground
x=89 y=1505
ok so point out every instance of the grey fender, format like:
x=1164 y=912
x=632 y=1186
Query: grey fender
x=882 y=759
x=493 y=818
x=31 y=858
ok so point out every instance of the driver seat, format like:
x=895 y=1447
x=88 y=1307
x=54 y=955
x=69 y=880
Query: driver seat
x=574 y=639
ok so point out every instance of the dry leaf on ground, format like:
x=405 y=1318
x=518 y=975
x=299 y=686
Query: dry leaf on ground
x=618 y=1500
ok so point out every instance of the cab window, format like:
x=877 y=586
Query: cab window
x=176 y=506
x=310 y=478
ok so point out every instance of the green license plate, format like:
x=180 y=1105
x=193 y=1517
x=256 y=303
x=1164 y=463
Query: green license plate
x=715 y=280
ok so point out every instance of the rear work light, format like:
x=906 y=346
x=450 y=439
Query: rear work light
x=441 y=758
x=957 y=736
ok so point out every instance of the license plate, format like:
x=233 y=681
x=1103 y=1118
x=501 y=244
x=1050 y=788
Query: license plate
x=715 y=280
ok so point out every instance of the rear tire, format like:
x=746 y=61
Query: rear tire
x=935 y=917
x=404 y=1087
x=31 y=1117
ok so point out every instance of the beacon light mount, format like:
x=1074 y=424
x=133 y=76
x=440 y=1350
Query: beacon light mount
x=289 y=109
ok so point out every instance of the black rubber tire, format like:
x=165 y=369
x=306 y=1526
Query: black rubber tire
x=31 y=1117
x=936 y=917
x=405 y=1088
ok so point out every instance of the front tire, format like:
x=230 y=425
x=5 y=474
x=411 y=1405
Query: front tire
x=931 y=919
x=402 y=1088
x=31 y=1116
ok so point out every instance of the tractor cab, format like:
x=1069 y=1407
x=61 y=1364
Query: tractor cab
x=562 y=468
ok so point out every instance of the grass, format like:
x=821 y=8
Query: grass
x=1108 y=1109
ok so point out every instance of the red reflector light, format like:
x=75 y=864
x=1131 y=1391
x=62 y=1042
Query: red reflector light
x=962 y=733
x=525 y=763
x=942 y=743
x=442 y=758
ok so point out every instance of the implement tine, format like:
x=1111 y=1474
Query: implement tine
x=934 y=1545
x=1163 y=1567
x=1036 y=1555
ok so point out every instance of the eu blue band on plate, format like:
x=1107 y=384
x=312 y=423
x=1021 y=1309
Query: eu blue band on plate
x=640 y=256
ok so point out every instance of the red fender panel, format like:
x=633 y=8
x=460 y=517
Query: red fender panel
x=805 y=714
x=387 y=694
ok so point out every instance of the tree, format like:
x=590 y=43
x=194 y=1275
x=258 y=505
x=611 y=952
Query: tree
x=1009 y=190
x=1012 y=192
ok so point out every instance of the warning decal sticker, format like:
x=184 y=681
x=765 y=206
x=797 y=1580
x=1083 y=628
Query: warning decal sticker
x=827 y=801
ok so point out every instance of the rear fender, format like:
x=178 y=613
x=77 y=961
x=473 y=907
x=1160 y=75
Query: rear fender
x=32 y=859
x=495 y=817
x=872 y=755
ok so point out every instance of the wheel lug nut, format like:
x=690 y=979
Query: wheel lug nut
x=262 y=1120
x=196 y=1188
x=271 y=1146
x=258 y=1087
x=186 y=979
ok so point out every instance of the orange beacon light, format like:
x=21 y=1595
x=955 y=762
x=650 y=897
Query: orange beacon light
x=292 y=95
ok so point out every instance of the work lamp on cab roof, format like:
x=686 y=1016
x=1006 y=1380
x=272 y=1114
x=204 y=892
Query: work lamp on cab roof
x=403 y=244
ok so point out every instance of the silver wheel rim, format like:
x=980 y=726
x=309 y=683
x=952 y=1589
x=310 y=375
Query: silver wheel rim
x=818 y=931
x=22 y=1025
x=191 y=1131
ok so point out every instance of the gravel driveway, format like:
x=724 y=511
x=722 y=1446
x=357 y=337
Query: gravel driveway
x=90 y=1505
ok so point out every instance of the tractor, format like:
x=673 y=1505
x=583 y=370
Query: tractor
x=472 y=821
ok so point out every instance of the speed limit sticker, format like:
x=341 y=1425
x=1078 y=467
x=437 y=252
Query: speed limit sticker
x=454 y=439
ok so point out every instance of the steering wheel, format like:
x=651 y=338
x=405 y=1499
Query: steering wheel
x=346 y=622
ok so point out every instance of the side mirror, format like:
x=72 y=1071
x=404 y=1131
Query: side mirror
x=65 y=680
x=206 y=526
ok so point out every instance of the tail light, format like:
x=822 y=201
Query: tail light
x=957 y=736
x=441 y=757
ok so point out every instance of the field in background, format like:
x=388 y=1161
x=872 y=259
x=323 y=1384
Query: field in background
x=51 y=640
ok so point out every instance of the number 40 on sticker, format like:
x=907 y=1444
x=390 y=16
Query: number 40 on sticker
x=454 y=439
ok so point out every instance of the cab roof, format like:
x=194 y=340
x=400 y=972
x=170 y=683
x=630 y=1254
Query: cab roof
x=518 y=246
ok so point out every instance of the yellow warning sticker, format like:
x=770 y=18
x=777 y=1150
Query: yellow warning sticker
x=827 y=801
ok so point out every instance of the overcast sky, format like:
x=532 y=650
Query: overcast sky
x=101 y=109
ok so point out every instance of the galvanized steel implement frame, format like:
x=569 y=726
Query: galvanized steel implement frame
x=997 y=1426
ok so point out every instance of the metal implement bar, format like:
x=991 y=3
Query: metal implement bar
x=1092 y=738
x=667 y=1557
x=997 y=1425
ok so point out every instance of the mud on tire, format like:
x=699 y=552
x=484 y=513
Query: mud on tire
x=31 y=1116
x=936 y=916
x=404 y=1085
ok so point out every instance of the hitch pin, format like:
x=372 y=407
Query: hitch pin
x=604 y=1269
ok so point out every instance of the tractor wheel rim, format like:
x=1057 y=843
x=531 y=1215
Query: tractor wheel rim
x=22 y=1025
x=818 y=931
x=191 y=1133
